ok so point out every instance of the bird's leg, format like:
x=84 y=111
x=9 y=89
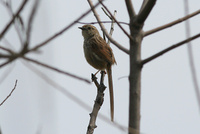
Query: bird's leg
x=97 y=72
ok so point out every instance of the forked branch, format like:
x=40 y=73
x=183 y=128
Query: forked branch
x=13 y=18
x=105 y=31
x=98 y=102
x=130 y=9
x=145 y=11
x=112 y=17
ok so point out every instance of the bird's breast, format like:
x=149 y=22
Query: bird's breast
x=92 y=58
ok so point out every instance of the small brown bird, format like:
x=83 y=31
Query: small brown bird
x=99 y=55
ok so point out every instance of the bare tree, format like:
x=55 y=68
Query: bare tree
x=136 y=63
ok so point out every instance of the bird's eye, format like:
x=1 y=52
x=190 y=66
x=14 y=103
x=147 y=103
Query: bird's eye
x=89 y=28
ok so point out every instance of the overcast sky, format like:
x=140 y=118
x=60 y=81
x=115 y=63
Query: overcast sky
x=168 y=100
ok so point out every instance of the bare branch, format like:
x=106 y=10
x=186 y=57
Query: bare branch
x=143 y=5
x=9 y=94
x=6 y=49
x=57 y=70
x=63 y=30
x=130 y=9
x=105 y=31
x=29 y=26
x=7 y=43
x=171 y=23
x=6 y=62
x=10 y=52
x=146 y=9
x=169 y=48
x=106 y=13
x=126 y=33
x=13 y=18
x=112 y=26
x=18 y=23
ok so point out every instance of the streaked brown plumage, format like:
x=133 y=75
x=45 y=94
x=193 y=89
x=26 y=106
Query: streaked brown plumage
x=99 y=55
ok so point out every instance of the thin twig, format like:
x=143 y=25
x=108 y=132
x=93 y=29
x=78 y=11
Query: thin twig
x=9 y=94
x=7 y=43
x=29 y=25
x=191 y=57
x=106 y=13
x=6 y=62
x=105 y=31
x=104 y=36
x=125 y=23
x=113 y=18
x=4 y=56
x=18 y=23
x=55 y=69
x=113 y=22
x=169 y=48
x=171 y=23
x=112 y=26
x=10 y=51
x=13 y=18
x=6 y=49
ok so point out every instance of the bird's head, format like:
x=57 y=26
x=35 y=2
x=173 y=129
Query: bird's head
x=88 y=31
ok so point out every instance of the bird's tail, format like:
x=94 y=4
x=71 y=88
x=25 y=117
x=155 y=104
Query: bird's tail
x=110 y=83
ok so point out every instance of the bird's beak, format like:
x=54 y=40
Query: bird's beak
x=81 y=28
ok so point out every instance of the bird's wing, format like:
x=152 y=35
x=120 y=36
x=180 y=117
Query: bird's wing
x=103 y=50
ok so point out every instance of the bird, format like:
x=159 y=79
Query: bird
x=100 y=56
